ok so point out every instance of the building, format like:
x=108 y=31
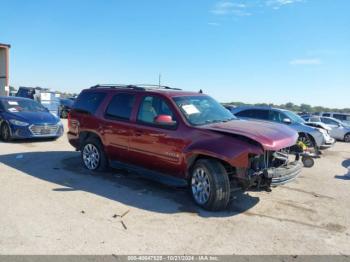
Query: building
x=4 y=69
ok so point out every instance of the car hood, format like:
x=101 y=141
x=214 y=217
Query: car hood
x=35 y=117
x=318 y=125
x=270 y=135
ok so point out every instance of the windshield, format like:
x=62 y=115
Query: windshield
x=294 y=117
x=15 y=106
x=201 y=110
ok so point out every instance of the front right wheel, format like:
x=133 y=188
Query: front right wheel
x=210 y=185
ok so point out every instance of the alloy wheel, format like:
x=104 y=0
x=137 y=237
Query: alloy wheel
x=200 y=186
x=91 y=156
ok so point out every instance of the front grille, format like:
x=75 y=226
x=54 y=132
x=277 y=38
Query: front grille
x=44 y=130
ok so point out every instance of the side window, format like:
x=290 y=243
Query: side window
x=152 y=106
x=329 y=121
x=276 y=116
x=120 y=107
x=261 y=114
x=326 y=115
x=88 y=102
x=340 y=117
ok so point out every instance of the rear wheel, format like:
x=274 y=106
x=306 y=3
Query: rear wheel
x=5 y=132
x=93 y=155
x=347 y=138
x=210 y=185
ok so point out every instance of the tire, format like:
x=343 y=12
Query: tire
x=347 y=138
x=93 y=156
x=64 y=114
x=308 y=141
x=210 y=185
x=5 y=133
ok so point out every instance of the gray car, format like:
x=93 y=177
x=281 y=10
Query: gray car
x=310 y=136
x=338 y=130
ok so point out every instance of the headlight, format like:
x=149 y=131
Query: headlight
x=18 y=123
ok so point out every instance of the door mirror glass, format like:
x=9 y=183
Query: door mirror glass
x=287 y=121
x=164 y=120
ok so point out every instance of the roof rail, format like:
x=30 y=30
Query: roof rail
x=135 y=87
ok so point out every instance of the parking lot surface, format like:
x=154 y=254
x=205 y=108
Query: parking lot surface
x=49 y=204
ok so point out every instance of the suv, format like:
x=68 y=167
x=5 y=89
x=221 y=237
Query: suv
x=180 y=138
x=310 y=136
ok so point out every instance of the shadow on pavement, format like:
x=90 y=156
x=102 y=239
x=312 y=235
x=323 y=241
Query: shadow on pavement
x=64 y=168
x=346 y=164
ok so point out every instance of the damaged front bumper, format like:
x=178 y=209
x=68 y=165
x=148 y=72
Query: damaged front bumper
x=275 y=176
x=284 y=174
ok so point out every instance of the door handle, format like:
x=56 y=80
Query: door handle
x=138 y=133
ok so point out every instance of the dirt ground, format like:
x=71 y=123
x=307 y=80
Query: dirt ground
x=49 y=204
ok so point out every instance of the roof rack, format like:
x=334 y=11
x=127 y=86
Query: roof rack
x=135 y=87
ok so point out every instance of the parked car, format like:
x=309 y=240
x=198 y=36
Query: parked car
x=180 y=138
x=337 y=129
x=66 y=105
x=344 y=118
x=22 y=118
x=310 y=136
x=29 y=92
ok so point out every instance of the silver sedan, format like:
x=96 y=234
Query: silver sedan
x=338 y=130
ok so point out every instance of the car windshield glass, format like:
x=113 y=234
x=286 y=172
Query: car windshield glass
x=201 y=110
x=14 y=106
x=294 y=117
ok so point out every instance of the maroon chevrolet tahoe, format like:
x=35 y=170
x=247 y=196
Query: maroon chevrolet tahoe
x=180 y=138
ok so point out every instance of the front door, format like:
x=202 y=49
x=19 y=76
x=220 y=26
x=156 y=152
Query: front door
x=156 y=147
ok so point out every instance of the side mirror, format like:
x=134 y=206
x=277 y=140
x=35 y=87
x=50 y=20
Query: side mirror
x=287 y=121
x=164 y=120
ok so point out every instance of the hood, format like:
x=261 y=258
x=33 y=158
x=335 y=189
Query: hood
x=35 y=117
x=270 y=135
x=319 y=125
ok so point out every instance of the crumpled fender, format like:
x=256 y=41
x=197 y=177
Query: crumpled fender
x=232 y=150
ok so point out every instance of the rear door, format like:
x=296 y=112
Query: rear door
x=152 y=146
x=116 y=126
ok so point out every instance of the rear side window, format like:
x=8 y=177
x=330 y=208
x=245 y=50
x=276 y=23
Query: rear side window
x=329 y=121
x=120 y=107
x=254 y=113
x=341 y=117
x=88 y=102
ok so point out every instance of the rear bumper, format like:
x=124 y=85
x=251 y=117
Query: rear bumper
x=73 y=140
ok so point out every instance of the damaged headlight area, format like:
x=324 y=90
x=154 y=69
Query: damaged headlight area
x=273 y=168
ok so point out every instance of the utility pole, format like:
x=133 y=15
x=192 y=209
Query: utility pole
x=159 y=79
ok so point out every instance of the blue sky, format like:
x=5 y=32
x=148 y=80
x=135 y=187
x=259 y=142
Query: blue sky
x=252 y=51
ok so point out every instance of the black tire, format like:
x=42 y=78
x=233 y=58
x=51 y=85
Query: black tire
x=347 y=138
x=64 y=114
x=308 y=141
x=5 y=133
x=219 y=183
x=102 y=163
